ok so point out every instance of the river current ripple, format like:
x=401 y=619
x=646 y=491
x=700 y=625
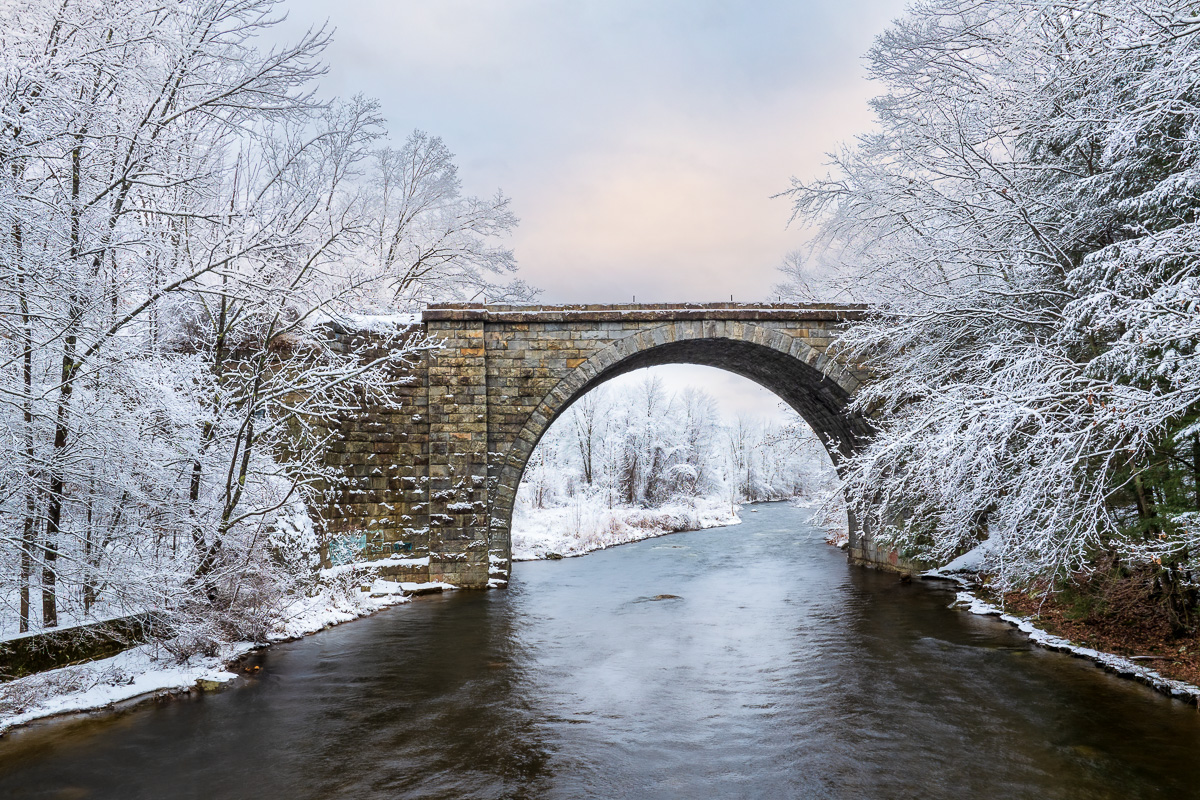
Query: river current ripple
x=777 y=671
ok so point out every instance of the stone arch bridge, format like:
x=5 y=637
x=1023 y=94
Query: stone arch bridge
x=432 y=481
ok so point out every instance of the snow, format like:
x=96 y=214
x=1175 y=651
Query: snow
x=972 y=561
x=1109 y=662
x=149 y=669
x=70 y=618
x=391 y=561
x=98 y=684
x=584 y=527
x=308 y=615
x=383 y=323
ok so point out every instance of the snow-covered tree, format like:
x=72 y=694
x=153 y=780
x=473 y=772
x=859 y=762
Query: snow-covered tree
x=646 y=447
x=181 y=219
x=432 y=242
x=1024 y=221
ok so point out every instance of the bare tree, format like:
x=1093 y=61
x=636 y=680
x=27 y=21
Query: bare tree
x=588 y=424
x=183 y=222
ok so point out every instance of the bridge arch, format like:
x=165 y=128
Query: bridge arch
x=814 y=384
x=430 y=479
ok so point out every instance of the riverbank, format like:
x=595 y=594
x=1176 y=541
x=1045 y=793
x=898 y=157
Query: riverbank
x=585 y=527
x=149 y=670
x=1041 y=621
x=1144 y=637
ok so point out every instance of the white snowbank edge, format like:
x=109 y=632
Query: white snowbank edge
x=543 y=534
x=1118 y=665
x=151 y=679
x=146 y=682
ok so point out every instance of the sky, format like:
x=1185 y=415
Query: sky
x=641 y=141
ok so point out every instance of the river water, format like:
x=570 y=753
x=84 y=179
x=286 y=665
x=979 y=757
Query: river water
x=778 y=671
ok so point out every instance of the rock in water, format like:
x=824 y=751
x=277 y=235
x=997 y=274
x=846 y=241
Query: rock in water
x=416 y=591
x=666 y=597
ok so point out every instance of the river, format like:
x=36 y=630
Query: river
x=777 y=671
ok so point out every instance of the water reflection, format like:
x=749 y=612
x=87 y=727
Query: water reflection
x=390 y=708
x=766 y=668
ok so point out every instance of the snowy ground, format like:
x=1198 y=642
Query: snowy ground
x=67 y=618
x=150 y=669
x=586 y=526
x=965 y=569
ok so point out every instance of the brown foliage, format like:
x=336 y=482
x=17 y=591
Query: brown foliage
x=1120 y=612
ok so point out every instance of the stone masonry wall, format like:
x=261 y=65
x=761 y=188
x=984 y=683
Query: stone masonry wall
x=383 y=452
x=458 y=410
x=434 y=480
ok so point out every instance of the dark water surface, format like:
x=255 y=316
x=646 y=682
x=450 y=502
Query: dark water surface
x=780 y=672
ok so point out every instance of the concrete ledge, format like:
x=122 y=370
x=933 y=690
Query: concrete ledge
x=887 y=561
x=61 y=647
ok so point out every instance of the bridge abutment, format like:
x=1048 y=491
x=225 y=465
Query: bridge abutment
x=458 y=436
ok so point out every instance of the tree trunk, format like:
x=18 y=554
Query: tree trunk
x=1145 y=508
x=62 y=416
x=1196 y=468
x=57 y=488
x=89 y=546
x=207 y=552
x=29 y=523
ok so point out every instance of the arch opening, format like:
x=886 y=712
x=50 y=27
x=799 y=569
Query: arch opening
x=658 y=450
x=817 y=388
x=816 y=397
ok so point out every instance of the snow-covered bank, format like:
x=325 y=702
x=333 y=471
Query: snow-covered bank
x=1118 y=665
x=142 y=670
x=962 y=571
x=584 y=527
x=151 y=670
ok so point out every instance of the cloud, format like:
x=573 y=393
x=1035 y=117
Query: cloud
x=640 y=140
x=678 y=206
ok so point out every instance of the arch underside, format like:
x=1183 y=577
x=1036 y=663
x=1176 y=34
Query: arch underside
x=819 y=396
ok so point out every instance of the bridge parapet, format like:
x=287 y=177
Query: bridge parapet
x=634 y=312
